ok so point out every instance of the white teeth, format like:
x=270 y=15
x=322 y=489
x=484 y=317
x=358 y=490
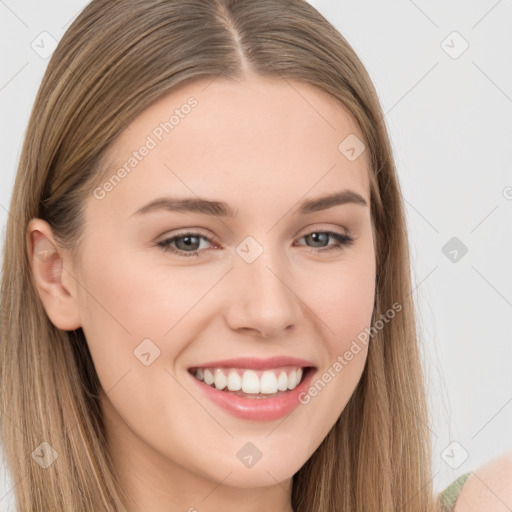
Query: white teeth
x=282 y=381
x=250 y=382
x=208 y=377
x=220 y=379
x=234 y=381
x=292 y=380
x=267 y=382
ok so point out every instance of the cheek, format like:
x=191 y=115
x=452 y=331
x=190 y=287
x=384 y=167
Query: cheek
x=127 y=310
x=140 y=297
x=135 y=312
x=342 y=297
x=346 y=304
x=342 y=301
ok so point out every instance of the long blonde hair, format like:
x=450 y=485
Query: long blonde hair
x=115 y=60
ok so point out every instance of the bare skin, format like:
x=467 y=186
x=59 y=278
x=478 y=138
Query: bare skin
x=262 y=146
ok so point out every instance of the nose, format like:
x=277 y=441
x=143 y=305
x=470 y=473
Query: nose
x=262 y=297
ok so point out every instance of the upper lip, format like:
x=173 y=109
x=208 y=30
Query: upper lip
x=254 y=363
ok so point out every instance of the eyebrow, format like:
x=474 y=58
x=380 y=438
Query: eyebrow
x=221 y=209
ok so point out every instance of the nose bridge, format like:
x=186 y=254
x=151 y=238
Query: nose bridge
x=264 y=299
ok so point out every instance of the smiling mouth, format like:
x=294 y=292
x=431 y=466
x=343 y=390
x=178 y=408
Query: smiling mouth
x=248 y=383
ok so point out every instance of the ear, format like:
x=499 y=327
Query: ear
x=53 y=276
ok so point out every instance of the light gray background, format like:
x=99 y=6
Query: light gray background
x=450 y=123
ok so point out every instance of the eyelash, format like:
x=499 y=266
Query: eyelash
x=342 y=242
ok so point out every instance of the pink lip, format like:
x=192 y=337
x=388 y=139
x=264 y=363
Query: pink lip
x=252 y=363
x=264 y=409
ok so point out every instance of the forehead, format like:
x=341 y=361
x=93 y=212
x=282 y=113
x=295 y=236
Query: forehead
x=274 y=140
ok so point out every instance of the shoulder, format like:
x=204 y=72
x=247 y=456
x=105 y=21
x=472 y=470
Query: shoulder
x=488 y=488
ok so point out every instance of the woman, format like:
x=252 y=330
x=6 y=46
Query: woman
x=275 y=369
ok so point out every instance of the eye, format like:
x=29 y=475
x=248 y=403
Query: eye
x=189 y=243
x=319 y=237
x=184 y=242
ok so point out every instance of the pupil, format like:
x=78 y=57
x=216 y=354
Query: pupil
x=187 y=240
x=316 y=236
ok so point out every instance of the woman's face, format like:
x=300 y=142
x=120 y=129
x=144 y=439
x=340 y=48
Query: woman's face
x=250 y=282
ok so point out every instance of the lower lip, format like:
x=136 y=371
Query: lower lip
x=257 y=409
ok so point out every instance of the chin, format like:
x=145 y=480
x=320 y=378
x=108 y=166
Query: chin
x=269 y=469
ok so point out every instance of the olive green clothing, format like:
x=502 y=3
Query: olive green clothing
x=449 y=496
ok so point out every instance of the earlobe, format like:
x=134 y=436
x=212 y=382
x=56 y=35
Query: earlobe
x=55 y=289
